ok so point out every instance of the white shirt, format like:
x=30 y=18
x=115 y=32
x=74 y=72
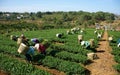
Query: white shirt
x=95 y=32
x=99 y=36
x=37 y=46
x=57 y=35
x=118 y=45
x=82 y=43
x=81 y=31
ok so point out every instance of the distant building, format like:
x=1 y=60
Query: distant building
x=18 y=17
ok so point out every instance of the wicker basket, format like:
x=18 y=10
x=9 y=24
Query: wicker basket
x=92 y=56
x=80 y=38
x=91 y=42
x=22 y=49
x=110 y=38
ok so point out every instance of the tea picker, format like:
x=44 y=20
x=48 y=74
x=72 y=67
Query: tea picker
x=28 y=51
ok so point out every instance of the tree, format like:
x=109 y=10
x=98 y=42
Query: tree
x=99 y=16
x=85 y=17
x=39 y=14
x=65 y=17
x=109 y=16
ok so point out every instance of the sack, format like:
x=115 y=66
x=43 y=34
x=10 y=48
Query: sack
x=23 y=49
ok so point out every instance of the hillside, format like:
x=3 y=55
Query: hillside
x=58 y=19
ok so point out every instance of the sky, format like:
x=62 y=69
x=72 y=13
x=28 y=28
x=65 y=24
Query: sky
x=112 y=6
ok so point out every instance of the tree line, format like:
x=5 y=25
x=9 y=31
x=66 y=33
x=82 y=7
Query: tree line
x=61 y=19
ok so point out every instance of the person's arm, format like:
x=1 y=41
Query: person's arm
x=36 y=46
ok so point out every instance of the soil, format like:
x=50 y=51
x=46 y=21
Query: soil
x=103 y=65
x=3 y=73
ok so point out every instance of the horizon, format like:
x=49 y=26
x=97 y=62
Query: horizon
x=111 y=6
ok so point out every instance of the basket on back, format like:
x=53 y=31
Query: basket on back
x=23 y=48
x=92 y=56
x=80 y=38
x=110 y=38
x=92 y=42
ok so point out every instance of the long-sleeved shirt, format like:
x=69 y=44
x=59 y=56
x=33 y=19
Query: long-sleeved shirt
x=85 y=43
x=40 y=47
x=31 y=50
x=37 y=46
x=118 y=41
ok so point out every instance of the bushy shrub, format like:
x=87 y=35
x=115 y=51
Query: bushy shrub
x=117 y=67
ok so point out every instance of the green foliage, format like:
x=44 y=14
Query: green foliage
x=79 y=58
x=72 y=57
x=61 y=19
x=39 y=14
x=62 y=65
x=115 y=49
x=117 y=58
x=18 y=27
x=62 y=52
x=117 y=67
x=79 y=49
x=16 y=67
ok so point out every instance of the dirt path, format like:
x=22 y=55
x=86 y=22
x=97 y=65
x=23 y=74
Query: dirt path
x=103 y=65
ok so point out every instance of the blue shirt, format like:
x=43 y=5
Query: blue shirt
x=118 y=41
x=87 y=44
x=31 y=50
